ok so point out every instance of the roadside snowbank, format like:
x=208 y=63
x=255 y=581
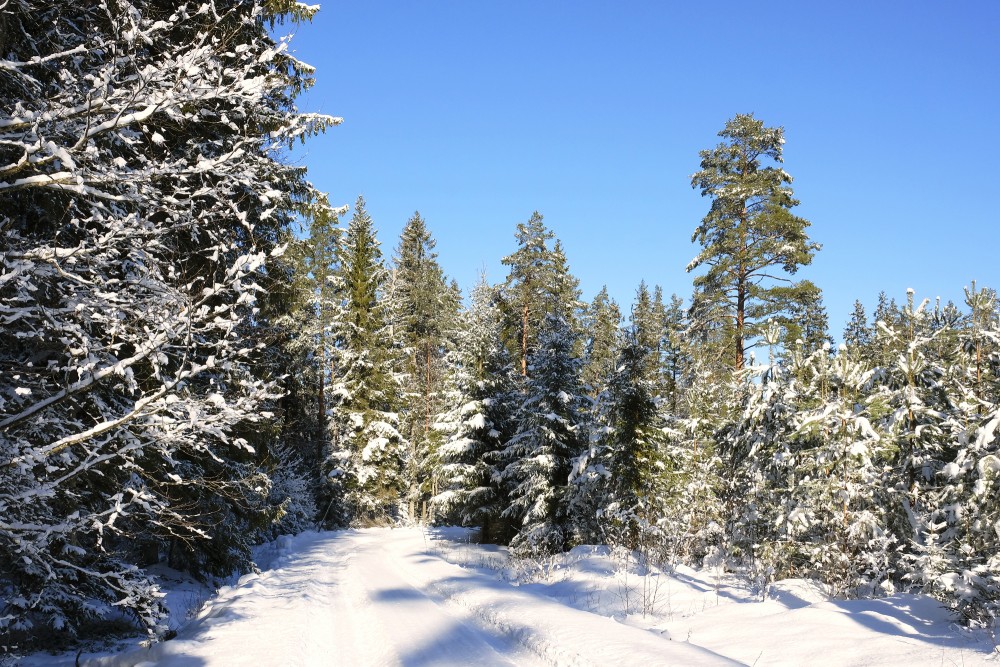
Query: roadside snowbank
x=797 y=624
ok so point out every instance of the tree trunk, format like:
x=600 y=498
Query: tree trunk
x=524 y=341
x=322 y=408
x=741 y=291
x=427 y=391
x=741 y=299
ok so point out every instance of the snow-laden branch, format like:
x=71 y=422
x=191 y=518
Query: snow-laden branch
x=16 y=65
x=92 y=379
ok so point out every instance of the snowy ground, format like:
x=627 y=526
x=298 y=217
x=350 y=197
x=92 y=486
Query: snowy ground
x=423 y=597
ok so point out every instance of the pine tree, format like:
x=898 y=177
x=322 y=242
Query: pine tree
x=971 y=479
x=981 y=346
x=694 y=507
x=676 y=361
x=836 y=514
x=751 y=442
x=910 y=396
x=539 y=284
x=885 y=348
x=366 y=456
x=749 y=235
x=311 y=306
x=944 y=432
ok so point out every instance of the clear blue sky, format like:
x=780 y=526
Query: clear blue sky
x=476 y=113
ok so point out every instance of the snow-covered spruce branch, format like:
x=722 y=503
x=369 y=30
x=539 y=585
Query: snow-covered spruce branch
x=145 y=350
x=242 y=268
x=139 y=409
x=164 y=87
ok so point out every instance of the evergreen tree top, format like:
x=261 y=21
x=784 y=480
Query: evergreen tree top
x=532 y=247
x=733 y=171
x=415 y=242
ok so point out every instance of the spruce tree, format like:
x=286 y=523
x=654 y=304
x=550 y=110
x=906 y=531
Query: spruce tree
x=365 y=461
x=484 y=419
x=602 y=321
x=630 y=447
x=647 y=321
x=424 y=307
x=563 y=296
x=858 y=334
x=143 y=200
x=749 y=237
x=551 y=433
x=806 y=321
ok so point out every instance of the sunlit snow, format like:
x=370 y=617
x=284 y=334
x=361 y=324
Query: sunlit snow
x=412 y=596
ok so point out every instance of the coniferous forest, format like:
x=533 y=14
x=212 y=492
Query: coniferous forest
x=198 y=353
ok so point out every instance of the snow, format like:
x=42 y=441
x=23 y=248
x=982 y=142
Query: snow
x=411 y=596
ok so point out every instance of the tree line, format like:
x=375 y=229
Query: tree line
x=200 y=353
x=725 y=429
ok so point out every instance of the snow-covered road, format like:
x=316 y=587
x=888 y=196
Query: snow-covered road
x=384 y=597
x=397 y=597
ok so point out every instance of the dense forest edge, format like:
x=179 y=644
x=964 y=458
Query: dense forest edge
x=199 y=353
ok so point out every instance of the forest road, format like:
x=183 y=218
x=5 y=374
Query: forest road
x=387 y=597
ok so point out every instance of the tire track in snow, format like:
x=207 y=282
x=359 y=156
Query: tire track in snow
x=421 y=630
x=328 y=599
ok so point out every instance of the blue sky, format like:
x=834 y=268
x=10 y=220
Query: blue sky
x=593 y=113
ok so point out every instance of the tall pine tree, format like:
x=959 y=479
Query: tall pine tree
x=539 y=284
x=750 y=236
x=313 y=301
